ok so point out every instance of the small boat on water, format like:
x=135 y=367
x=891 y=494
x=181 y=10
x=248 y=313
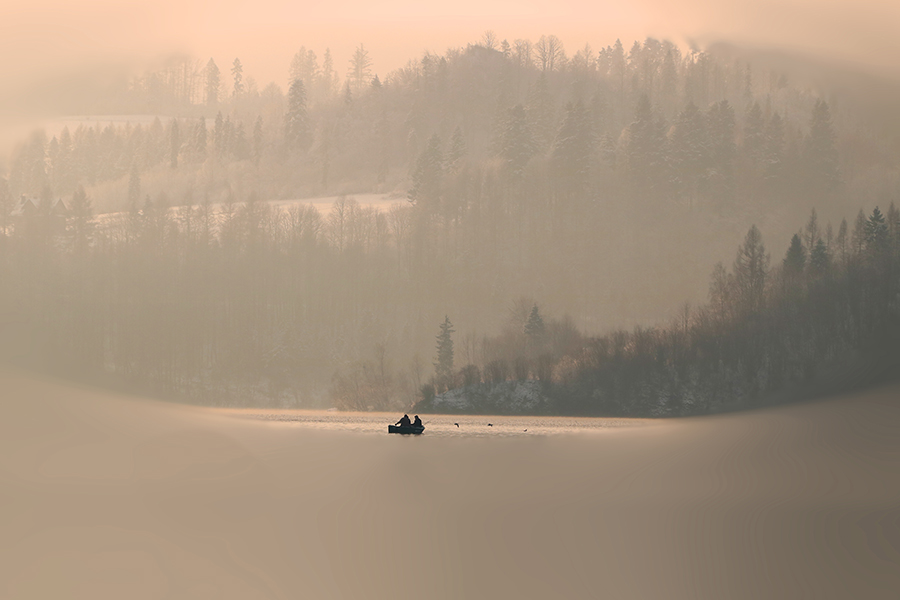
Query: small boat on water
x=406 y=429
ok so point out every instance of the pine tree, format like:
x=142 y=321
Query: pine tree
x=200 y=139
x=644 y=149
x=811 y=232
x=296 y=119
x=819 y=259
x=360 y=71
x=427 y=178
x=573 y=152
x=443 y=365
x=821 y=154
x=859 y=234
x=516 y=145
x=842 y=243
x=457 y=151
x=876 y=232
x=540 y=114
x=751 y=268
x=689 y=153
x=327 y=84
x=237 y=73
x=534 y=327
x=795 y=259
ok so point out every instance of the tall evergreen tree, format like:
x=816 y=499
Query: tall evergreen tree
x=795 y=260
x=237 y=74
x=819 y=259
x=427 y=178
x=751 y=268
x=534 y=327
x=296 y=119
x=644 y=149
x=360 y=71
x=876 y=232
x=573 y=152
x=443 y=364
x=689 y=153
x=516 y=145
x=457 y=151
x=200 y=139
x=820 y=152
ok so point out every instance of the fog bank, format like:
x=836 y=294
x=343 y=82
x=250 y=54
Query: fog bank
x=110 y=497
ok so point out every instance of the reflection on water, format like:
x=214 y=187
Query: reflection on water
x=439 y=425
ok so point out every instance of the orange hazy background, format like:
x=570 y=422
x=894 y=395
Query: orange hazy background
x=44 y=38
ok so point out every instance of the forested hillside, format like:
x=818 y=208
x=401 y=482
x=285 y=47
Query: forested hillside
x=603 y=185
x=826 y=317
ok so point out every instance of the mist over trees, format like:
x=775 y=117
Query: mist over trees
x=603 y=185
x=832 y=320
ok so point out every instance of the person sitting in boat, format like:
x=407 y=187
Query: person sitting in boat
x=417 y=422
x=403 y=422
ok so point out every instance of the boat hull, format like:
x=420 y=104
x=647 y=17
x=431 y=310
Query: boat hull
x=407 y=430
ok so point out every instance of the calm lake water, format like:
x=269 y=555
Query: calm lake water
x=440 y=425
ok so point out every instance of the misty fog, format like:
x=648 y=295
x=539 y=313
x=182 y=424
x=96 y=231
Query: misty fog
x=633 y=270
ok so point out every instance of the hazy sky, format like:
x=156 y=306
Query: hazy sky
x=41 y=37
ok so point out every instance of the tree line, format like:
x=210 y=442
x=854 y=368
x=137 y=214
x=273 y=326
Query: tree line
x=830 y=308
x=182 y=262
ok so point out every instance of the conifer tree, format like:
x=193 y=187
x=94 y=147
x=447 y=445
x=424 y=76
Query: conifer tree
x=534 y=327
x=795 y=259
x=200 y=139
x=360 y=71
x=443 y=365
x=689 y=153
x=516 y=145
x=819 y=259
x=859 y=234
x=573 y=152
x=328 y=78
x=821 y=153
x=296 y=119
x=457 y=151
x=876 y=232
x=644 y=149
x=750 y=270
x=237 y=73
x=427 y=178
x=842 y=243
